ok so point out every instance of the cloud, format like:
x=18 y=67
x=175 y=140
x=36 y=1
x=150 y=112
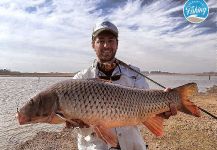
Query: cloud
x=52 y=35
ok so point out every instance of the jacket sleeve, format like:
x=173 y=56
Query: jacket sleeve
x=140 y=81
x=85 y=74
x=80 y=75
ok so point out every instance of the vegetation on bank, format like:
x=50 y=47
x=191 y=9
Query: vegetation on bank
x=9 y=73
x=6 y=71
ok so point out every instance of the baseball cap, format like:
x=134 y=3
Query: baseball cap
x=105 y=26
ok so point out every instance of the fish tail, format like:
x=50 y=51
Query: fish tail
x=186 y=91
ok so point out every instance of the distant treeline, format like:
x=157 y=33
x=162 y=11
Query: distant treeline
x=172 y=73
x=157 y=72
x=7 y=71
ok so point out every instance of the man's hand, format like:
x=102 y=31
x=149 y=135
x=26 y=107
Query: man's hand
x=173 y=109
x=172 y=112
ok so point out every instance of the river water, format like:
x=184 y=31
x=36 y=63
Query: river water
x=15 y=91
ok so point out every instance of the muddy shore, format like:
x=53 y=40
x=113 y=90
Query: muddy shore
x=181 y=132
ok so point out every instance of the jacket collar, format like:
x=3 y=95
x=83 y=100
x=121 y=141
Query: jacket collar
x=116 y=71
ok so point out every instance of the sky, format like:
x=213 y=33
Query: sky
x=55 y=35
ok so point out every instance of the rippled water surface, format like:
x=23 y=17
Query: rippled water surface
x=172 y=81
x=15 y=91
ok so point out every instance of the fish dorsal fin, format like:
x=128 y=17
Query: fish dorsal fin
x=155 y=125
x=106 y=135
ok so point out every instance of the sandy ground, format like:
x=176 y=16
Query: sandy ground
x=181 y=132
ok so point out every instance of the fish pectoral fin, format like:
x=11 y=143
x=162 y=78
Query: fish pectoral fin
x=106 y=135
x=155 y=125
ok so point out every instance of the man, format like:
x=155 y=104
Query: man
x=105 y=44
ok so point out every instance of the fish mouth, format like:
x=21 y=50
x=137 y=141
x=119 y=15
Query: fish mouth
x=22 y=119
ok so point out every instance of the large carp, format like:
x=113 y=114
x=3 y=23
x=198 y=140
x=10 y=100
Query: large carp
x=102 y=105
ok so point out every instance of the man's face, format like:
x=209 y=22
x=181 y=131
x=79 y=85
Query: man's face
x=105 y=46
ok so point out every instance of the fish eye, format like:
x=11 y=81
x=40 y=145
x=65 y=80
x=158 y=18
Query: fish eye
x=31 y=102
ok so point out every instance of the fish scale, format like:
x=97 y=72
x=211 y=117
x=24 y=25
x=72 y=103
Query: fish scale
x=122 y=102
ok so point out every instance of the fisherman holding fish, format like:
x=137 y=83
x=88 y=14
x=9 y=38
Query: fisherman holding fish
x=107 y=67
x=108 y=100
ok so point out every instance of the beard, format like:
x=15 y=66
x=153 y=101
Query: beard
x=106 y=55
